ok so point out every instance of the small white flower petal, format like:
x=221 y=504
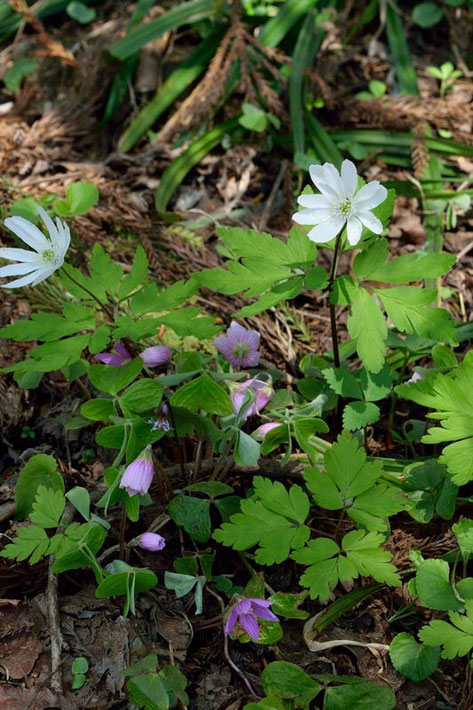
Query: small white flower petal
x=28 y=232
x=24 y=281
x=53 y=231
x=311 y=216
x=326 y=231
x=15 y=269
x=354 y=229
x=20 y=255
x=333 y=179
x=370 y=221
x=373 y=201
x=323 y=181
x=43 y=274
x=349 y=177
x=314 y=202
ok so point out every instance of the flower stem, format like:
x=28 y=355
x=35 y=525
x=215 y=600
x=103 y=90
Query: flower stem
x=333 y=318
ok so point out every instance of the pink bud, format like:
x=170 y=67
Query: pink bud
x=151 y=541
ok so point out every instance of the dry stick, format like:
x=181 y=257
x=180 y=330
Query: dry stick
x=53 y=611
x=39 y=688
x=176 y=442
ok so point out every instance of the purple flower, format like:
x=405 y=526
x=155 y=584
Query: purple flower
x=263 y=393
x=156 y=355
x=262 y=430
x=116 y=359
x=139 y=474
x=151 y=541
x=162 y=421
x=239 y=346
x=247 y=612
x=415 y=377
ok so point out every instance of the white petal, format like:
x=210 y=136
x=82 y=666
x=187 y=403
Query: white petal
x=333 y=179
x=314 y=201
x=42 y=275
x=14 y=269
x=28 y=232
x=349 y=177
x=354 y=228
x=375 y=200
x=370 y=221
x=370 y=196
x=24 y=281
x=324 y=180
x=327 y=230
x=311 y=216
x=51 y=227
x=20 y=255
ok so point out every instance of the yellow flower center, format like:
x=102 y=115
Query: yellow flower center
x=48 y=255
x=345 y=207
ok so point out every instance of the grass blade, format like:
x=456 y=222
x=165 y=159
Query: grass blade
x=305 y=50
x=176 y=172
x=174 y=85
x=388 y=140
x=322 y=142
x=183 y=14
x=400 y=51
x=278 y=26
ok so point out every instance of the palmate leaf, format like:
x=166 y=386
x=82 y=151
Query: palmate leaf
x=48 y=507
x=31 y=542
x=273 y=520
x=450 y=398
x=366 y=325
x=350 y=482
x=360 y=554
x=372 y=265
x=455 y=638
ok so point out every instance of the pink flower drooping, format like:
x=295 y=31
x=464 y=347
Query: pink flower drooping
x=139 y=474
x=264 y=429
x=239 y=346
x=247 y=612
x=263 y=393
x=117 y=358
x=151 y=541
x=156 y=355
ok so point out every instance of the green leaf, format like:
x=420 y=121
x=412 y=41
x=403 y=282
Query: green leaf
x=288 y=681
x=80 y=665
x=304 y=430
x=427 y=14
x=366 y=324
x=247 y=450
x=105 y=269
x=111 y=437
x=362 y=696
x=463 y=531
x=136 y=276
x=92 y=538
x=407 y=307
x=433 y=586
x=113 y=379
x=176 y=681
x=80 y=197
x=13 y=78
x=142 y=396
x=287 y=604
x=99 y=339
x=412 y=659
x=448 y=396
x=371 y=264
x=343 y=382
x=455 y=638
x=48 y=507
x=98 y=410
x=203 y=393
x=213 y=489
x=357 y=415
x=148 y=691
x=30 y=541
x=41 y=469
x=273 y=519
x=361 y=554
x=253 y=118
x=80 y=499
x=117 y=584
x=193 y=514
x=80 y=12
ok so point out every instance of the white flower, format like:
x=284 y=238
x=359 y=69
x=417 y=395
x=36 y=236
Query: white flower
x=48 y=254
x=340 y=203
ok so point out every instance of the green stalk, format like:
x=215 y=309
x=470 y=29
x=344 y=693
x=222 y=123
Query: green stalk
x=278 y=26
x=397 y=41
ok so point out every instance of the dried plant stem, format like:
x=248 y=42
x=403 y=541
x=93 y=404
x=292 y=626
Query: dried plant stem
x=54 y=629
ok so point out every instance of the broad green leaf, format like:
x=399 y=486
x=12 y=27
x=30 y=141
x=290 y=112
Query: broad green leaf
x=99 y=339
x=148 y=691
x=286 y=680
x=136 y=276
x=41 y=469
x=412 y=659
x=203 y=393
x=48 y=507
x=98 y=410
x=142 y=396
x=31 y=541
x=357 y=415
x=362 y=696
x=433 y=586
x=463 y=531
x=407 y=307
x=13 y=78
x=105 y=269
x=247 y=450
x=193 y=514
x=113 y=379
x=455 y=638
